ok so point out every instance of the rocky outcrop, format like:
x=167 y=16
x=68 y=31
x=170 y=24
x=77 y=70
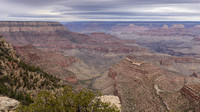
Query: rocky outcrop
x=151 y=88
x=114 y=100
x=29 y=32
x=20 y=26
x=196 y=39
x=178 y=26
x=8 y=104
x=71 y=79
x=165 y=27
x=196 y=75
x=196 y=26
x=192 y=91
x=131 y=28
x=182 y=65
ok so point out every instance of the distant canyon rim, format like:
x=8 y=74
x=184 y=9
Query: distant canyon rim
x=150 y=66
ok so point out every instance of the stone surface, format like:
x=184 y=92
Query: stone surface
x=149 y=87
x=55 y=49
x=71 y=79
x=8 y=104
x=114 y=100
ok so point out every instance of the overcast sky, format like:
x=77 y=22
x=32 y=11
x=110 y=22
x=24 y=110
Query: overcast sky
x=100 y=10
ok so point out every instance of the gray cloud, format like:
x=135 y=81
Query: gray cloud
x=67 y=10
x=100 y=2
x=133 y=14
x=33 y=16
x=35 y=3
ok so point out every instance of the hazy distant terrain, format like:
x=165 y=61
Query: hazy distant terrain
x=174 y=38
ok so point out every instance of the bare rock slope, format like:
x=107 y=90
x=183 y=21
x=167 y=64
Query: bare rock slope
x=144 y=86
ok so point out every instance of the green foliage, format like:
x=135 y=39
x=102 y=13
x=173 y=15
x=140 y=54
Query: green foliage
x=28 y=67
x=43 y=74
x=22 y=97
x=68 y=101
x=23 y=80
x=35 y=80
x=18 y=78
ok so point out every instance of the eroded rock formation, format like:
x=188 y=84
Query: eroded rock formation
x=55 y=49
x=147 y=87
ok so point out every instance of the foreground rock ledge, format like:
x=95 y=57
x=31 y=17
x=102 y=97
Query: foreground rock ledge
x=114 y=100
x=8 y=104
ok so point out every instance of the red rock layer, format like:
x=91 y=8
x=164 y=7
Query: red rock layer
x=143 y=86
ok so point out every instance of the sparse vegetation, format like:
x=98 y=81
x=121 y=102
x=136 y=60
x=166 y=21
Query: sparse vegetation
x=68 y=100
x=23 y=97
x=18 y=79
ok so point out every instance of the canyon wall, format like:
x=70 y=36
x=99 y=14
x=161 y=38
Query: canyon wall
x=143 y=86
x=55 y=49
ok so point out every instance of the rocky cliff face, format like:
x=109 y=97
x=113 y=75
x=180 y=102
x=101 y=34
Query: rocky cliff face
x=50 y=46
x=143 y=86
x=29 y=32
x=50 y=61
x=182 y=65
x=53 y=36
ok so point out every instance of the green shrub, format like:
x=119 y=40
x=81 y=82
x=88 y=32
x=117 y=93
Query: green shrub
x=68 y=101
x=22 y=97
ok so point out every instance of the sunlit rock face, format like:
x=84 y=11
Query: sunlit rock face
x=8 y=104
x=165 y=27
x=114 y=100
x=178 y=26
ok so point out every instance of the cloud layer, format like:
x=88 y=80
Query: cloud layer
x=100 y=10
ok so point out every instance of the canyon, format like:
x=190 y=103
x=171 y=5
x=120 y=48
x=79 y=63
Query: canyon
x=149 y=66
x=174 y=38
x=164 y=79
x=66 y=54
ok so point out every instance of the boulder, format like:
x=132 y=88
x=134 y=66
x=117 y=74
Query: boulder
x=8 y=104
